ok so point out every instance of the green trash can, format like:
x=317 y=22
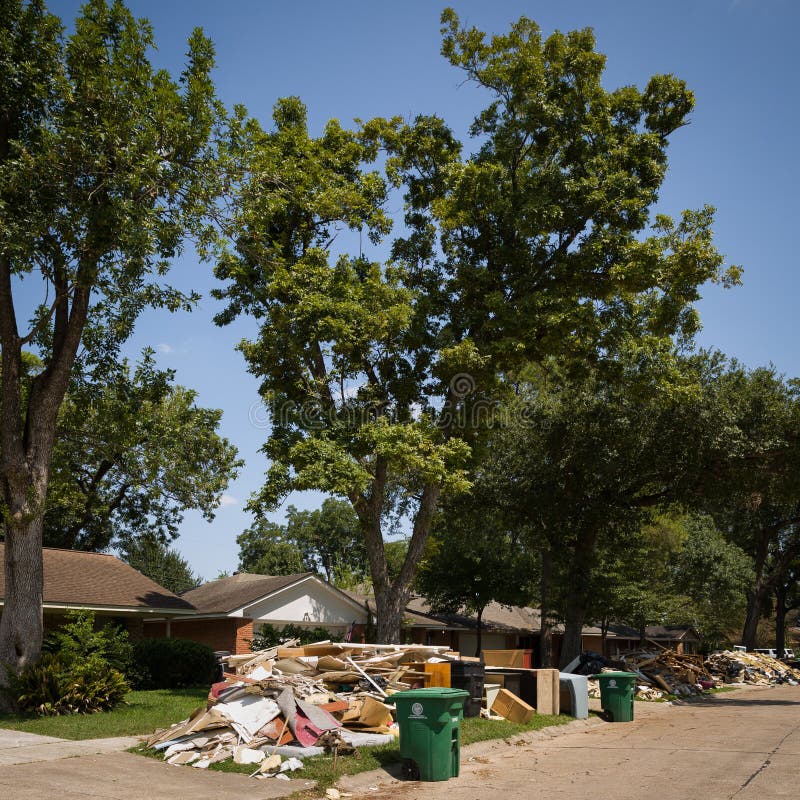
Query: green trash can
x=430 y=732
x=616 y=694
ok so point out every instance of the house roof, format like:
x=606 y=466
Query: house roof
x=414 y=618
x=225 y=595
x=496 y=617
x=682 y=633
x=75 y=578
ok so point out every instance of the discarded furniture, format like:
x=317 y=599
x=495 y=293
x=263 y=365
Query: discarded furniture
x=574 y=695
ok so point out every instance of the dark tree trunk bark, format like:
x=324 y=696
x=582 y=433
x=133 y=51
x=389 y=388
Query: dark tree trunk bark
x=479 y=637
x=390 y=607
x=391 y=598
x=21 y=623
x=756 y=598
x=780 y=620
x=577 y=604
x=546 y=632
x=27 y=433
x=572 y=644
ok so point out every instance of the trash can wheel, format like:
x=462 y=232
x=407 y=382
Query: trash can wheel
x=410 y=769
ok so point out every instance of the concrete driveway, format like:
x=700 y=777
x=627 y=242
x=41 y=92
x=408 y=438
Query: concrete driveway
x=42 y=767
x=743 y=745
x=17 y=747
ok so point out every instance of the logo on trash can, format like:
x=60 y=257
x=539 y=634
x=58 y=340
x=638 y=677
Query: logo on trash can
x=416 y=710
x=612 y=684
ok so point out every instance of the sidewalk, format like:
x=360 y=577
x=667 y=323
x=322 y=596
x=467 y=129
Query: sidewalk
x=17 y=747
x=470 y=754
x=743 y=745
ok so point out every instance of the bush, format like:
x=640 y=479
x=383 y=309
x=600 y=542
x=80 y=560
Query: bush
x=82 y=670
x=173 y=663
x=56 y=686
x=77 y=641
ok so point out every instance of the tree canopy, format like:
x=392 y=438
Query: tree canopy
x=326 y=540
x=105 y=167
x=474 y=557
x=133 y=453
x=540 y=243
x=161 y=563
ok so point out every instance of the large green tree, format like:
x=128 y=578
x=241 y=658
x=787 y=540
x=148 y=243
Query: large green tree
x=133 y=452
x=474 y=557
x=590 y=458
x=326 y=540
x=163 y=564
x=330 y=540
x=539 y=243
x=711 y=577
x=754 y=496
x=103 y=168
x=266 y=549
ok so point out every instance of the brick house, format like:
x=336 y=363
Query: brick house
x=102 y=583
x=228 y=612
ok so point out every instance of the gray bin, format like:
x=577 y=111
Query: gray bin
x=574 y=691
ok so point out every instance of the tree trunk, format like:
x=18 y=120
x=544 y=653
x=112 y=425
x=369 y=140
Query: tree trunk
x=479 y=637
x=780 y=620
x=21 y=623
x=392 y=598
x=546 y=627
x=572 y=644
x=756 y=598
x=390 y=606
x=577 y=598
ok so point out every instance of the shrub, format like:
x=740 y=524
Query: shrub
x=55 y=686
x=82 y=670
x=173 y=663
x=269 y=636
x=77 y=641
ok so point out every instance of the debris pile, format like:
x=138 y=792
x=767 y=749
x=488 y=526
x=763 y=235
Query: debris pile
x=660 y=673
x=667 y=672
x=297 y=701
x=736 y=666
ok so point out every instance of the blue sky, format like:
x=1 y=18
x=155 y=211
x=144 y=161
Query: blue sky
x=361 y=59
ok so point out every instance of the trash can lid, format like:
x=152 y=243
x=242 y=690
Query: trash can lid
x=433 y=692
x=614 y=675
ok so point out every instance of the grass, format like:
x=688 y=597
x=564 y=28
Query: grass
x=144 y=712
x=320 y=768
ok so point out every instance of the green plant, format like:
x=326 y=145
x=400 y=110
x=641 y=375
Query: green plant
x=173 y=663
x=55 y=686
x=269 y=636
x=79 y=641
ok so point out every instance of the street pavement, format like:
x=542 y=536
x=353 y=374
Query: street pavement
x=743 y=745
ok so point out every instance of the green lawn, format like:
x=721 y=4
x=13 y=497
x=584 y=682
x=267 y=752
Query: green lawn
x=320 y=768
x=144 y=712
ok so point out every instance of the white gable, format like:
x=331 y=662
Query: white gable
x=310 y=602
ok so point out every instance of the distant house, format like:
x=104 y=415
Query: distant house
x=228 y=612
x=102 y=583
x=682 y=638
